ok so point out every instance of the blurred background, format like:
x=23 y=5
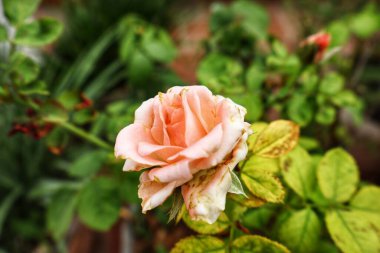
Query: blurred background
x=59 y=192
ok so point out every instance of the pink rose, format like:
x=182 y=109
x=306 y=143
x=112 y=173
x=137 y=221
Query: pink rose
x=186 y=137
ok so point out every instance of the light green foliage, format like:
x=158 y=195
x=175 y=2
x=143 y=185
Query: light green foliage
x=257 y=244
x=88 y=164
x=263 y=184
x=199 y=244
x=262 y=164
x=61 y=211
x=353 y=232
x=277 y=139
x=298 y=171
x=365 y=23
x=367 y=199
x=23 y=69
x=3 y=33
x=99 y=203
x=204 y=228
x=300 y=232
x=38 y=32
x=220 y=73
x=338 y=175
x=18 y=10
x=300 y=110
x=331 y=84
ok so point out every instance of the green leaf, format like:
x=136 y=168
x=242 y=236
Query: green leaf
x=263 y=184
x=367 y=199
x=3 y=33
x=99 y=203
x=279 y=138
x=353 y=232
x=24 y=69
x=258 y=218
x=140 y=67
x=345 y=98
x=331 y=84
x=38 y=32
x=339 y=32
x=255 y=77
x=60 y=212
x=253 y=17
x=88 y=164
x=220 y=73
x=236 y=186
x=250 y=201
x=309 y=143
x=17 y=11
x=220 y=225
x=300 y=232
x=337 y=175
x=365 y=23
x=257 y=244
x=158 y=45
x=257 y=128
x=300 y=110
x=268 y=165
x=298 y=171
x=325 y=115
x=279 y=49
x=6 y=205
x=199 y=244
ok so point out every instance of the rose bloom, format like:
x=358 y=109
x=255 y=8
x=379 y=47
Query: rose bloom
x=185 y=138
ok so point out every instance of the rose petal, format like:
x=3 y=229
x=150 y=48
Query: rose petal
x=127 y=141
x=159 y=152
x=179 y=171
x=144 y=114
x=153 y=193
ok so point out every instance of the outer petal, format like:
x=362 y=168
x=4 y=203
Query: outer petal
x=127 y=143
x=153 y=193
x=144 y=114
x=205 y=194
x=179 y=171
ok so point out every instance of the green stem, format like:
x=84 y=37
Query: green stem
x=83 y=134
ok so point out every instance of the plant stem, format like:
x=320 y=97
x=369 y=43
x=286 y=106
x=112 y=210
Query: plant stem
x=83 y=134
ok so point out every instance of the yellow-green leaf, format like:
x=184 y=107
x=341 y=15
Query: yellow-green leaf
x=270 y=165
x=337 y=175
x=300 y=232
x=367 y=199
x=199 y=244
x=257 y=128
x=204 y=228
x=353 y=232
x=298 y=171
x=279 y=138
x=257 y=244
x=263 y=185
x=250 y=201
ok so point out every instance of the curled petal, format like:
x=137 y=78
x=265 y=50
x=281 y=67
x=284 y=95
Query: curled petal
x=153 y=193
x=179 y=171
x=127 y=143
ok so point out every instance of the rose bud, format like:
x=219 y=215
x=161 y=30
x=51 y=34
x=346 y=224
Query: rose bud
x=313 y=48
x=186 y=138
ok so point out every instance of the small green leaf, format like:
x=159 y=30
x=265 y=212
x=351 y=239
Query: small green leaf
x=252 y=103
x=24 y=69
x=367 y=22
x=332 y=83
x=3 y=33
x=220 y=225
x=298 y=171
x=220 y=73
x=18 y=10
x=257 y=244
x=279 y=49
x=353 y=232
x=279 y=138
x=60 y=212
x=300 y=110
x=255 y=77
x=309 y=143
x=325 y=115
x=99 y=203
x=253 y=17
x=199 y=244
x=339 y=32
x=258 y=218
x=367 y=199
x=140 y=67
x=236 y=186
x=345 y=98
x=300 y=232
x=337 y=175
x=88 y=164
x=38 y=32
x=263 y=184
x=158 y=45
